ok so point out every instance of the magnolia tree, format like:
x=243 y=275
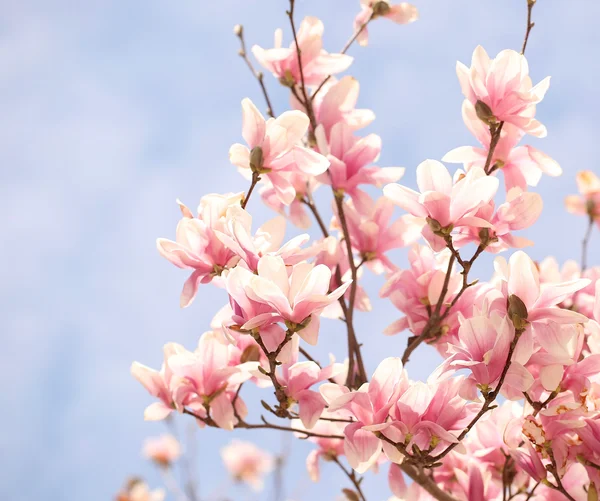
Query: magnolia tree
x=512 y=412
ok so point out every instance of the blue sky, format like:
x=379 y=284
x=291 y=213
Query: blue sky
x=111 y=110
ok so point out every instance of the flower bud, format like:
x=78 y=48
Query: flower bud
x=484 y=113
x=517 y=312
x=592 y=493
x=238 y=30
x=256 y=159
x=434 y=225
x=350 y=495
x=250 y=354
x=381 y=8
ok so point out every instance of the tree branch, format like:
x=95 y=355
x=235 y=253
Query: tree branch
x=239 y=32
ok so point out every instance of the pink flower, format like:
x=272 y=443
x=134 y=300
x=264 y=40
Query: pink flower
x=445 y=205
x=163 y=450
x=520 y=211
x=350 y=158
x=589 y=201
x=418 y=288
x=528 y=459
x=247 y=463
x=273 y=295
x=205 y=382
x=521 y=278
x=304 y=185
x=196 y=246
x=237 y=236
x=372 y=235
x=138 y=490
x=370 y=406
x=333 y=254
x=297 y=379
x=336 y=102
x=482 y=348
x=158 y=383
x=327 y=448
x=273 y=149
x=522 y=166
x=504 y=85
x=425 y=414
x=317 y=64
x=401 y=13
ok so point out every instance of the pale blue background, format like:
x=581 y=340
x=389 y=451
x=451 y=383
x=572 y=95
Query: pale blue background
x=111 y=109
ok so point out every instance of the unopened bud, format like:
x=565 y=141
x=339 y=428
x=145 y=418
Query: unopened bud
x=256 y=159
x=485 y=114
x=238 y=30
x=287 y=80
x=517 y=312
x=250 y=354
x=350 y=495
x=434 y=225
x=381 y=8
x=592 y=492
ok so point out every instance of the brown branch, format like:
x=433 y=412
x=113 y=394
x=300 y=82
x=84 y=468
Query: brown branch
x=353 y=345
x=254 y=182
x=239 y=32
x=305 y=101
x=283 y=403
x=487 y=404
x=554 y=470
x=427 y=483
x=351 y=474
x=530 y=25
x=585 y=242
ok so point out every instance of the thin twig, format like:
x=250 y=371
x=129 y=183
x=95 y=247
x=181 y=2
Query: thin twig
x=421 y=478
x=305 y=100
x=351 y=476
x=530 y=25
x=585 y=241
x=239 y=31
x=554 y=470
x=254 y=182
x=353 y=345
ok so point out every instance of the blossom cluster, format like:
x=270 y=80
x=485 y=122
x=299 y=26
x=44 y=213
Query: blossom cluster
x=529 y=335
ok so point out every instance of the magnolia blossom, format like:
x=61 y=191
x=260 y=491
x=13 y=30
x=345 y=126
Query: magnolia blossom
x=317 y=64
x=196 y=246
x=482 y=348
x=520 y=277
x=203 y=381
x=247 y=463
x=418 y=288
x=237 y=236
x=519 y=212
x=370 y=406
x=522 y=165
x=138 y=490
x=273 y=295
x=350 y=158
x=327 y=448
x=589 y=201
x=401 y=13
x=444 y=204
x=273 y=149
x=298 y=378
x=163 y=450
x=296 y=212
x=504 y=87
x=336 y=102
x=158 y=383
x=372 y=235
